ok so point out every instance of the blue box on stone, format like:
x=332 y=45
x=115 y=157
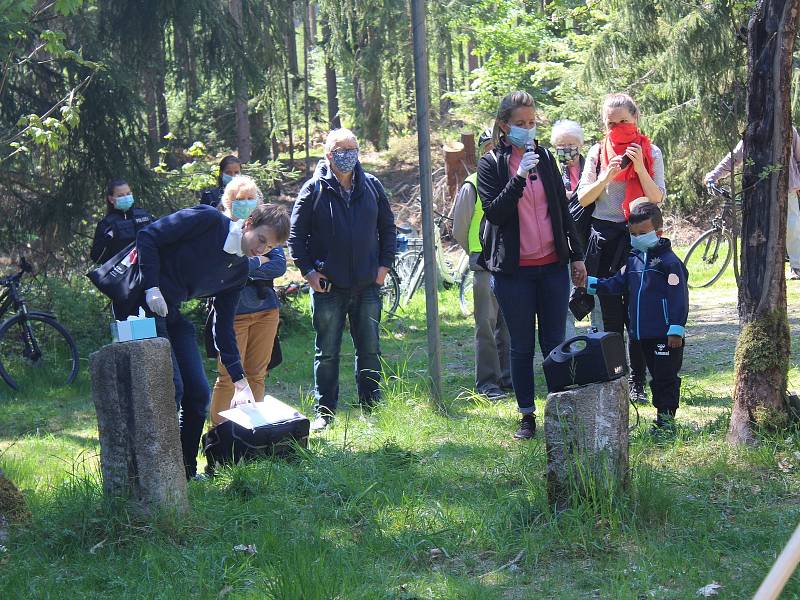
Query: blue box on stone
x=134 y=328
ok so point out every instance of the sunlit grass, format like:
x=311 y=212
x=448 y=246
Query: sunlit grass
x=413 y=502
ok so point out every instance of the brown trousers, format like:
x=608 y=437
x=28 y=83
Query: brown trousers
x=255 y=335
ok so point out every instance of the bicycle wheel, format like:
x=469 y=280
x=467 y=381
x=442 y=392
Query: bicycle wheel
x=708 y=257
x=42 y=354
x=404 y=264
x=390 y=293
x=465 y=293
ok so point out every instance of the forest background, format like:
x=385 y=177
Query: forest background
x=156 y=91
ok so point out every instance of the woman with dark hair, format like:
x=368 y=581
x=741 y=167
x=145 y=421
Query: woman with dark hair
x=121 y=223
x=528 y=240
x=229 y=167
x=622 y=167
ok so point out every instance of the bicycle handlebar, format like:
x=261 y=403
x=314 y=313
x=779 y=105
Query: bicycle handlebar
x=24 y=267
x=716 y=190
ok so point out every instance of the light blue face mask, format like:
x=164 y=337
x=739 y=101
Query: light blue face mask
x=123 y=203
x=241 y=209
x=644 y=242
x=226 y=179
x=521 y=137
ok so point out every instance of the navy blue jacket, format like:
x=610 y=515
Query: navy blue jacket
x=249 y=302
x=182 y=254
x=658 y=295
x=352 y=238
x=212 y=196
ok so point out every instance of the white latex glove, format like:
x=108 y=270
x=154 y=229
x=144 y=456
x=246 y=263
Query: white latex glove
x=156 y=301
x=528 y=162
x=243 y=393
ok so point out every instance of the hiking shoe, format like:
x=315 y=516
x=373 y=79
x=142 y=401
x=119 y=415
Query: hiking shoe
x=527 y=427
x=637 y=393
x=664 y=425
x=493 y=394
x=321 y=422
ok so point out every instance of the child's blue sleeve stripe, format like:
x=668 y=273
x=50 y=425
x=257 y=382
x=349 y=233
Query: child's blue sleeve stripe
x=676 y=330
x=591 y=284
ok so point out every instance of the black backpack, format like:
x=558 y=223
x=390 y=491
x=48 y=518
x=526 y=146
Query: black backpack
x=229 y=443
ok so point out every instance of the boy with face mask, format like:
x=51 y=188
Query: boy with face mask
x=655 y=281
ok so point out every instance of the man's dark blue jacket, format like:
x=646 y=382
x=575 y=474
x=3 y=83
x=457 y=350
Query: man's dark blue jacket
x=352 y=238
x=658 y=295
x=182 y=254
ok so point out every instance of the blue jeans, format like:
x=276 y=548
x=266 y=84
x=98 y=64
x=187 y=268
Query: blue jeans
x=328 y=311
x=529 y=294
x=192 y=392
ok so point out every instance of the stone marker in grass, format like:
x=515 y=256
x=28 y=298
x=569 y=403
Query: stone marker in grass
x=586 y=434
x=140 y=452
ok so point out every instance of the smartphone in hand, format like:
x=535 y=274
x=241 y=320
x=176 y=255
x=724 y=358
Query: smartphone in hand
x=626 y=160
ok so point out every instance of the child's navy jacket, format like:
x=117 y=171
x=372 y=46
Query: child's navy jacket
x=658 y=295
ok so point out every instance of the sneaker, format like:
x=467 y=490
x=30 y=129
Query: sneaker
x=493 y=394
x=527 y=427
x=321 y=422
x=637 y=393
x=795 y=274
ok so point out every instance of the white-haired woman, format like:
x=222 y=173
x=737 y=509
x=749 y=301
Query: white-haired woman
x=257 y=314
x=567 y=138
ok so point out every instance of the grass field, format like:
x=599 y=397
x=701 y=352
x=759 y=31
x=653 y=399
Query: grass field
x=412 y=502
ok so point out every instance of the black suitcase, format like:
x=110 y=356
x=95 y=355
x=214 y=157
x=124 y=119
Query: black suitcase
x=229 y=442
x=585 y=359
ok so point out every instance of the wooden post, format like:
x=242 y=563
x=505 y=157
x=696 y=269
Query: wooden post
x=470 y=159
x=426 y=197
x=454 y=166
x=787 y=562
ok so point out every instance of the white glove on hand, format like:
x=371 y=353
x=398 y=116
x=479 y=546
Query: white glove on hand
x=528 y=162
x=243 y=393
x=156 y=301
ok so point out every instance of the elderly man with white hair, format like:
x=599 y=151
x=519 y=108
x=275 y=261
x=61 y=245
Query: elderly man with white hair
x=343 y=241
x=567 y=139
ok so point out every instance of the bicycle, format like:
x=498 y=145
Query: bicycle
x=413 y=262
x=34 y=346
x=710 y=254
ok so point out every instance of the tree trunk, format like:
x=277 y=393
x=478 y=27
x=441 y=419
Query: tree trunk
x=441 y=74
x=330 y=79
x=161 y=91
x=306 y=46
x=367 y=75
x=243 y=140
x=288 y=93
x=151 y=102
x=291 y=39
x=471 y=57
x=762 y=351
x=312 y=20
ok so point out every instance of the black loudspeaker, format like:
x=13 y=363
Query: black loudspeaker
x=585 y=359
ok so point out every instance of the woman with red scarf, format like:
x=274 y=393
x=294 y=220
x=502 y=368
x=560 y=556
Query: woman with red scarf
x=622 y=167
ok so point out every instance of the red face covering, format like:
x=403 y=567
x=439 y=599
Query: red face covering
x=615 y=143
